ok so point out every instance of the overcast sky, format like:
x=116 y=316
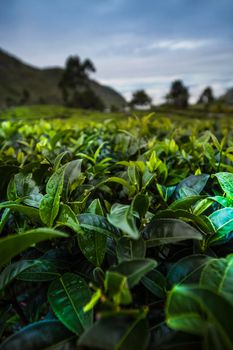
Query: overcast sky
x=134 y=44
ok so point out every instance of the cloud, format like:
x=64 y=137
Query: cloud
x=187 y=44
x=133 y=44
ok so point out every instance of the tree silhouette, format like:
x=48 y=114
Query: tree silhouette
x=178 y=95
x=75 y=78
x=140 y=98
x=207 y=96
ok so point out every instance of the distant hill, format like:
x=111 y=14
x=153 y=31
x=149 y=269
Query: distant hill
x=228 y=97
x=42 y=84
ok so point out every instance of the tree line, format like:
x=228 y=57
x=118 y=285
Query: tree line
x=76 y=91
x=178 y=96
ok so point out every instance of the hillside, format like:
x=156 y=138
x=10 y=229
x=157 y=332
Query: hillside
x=42 y=84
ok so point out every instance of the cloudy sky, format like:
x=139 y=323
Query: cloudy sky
x=134 y=44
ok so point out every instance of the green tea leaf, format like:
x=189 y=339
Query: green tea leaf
x=225 y=202
x=44 y=271
x=129 y=249
x=135 y=269
x=49 y=205
x=222 y=220
x=98 y=224
x=185 y=203
x=121 y=216
x=42 y=335
x=217 y=275
x=156 y=283
x=140 y=204
x=31 y=212
x=166 y=231
x=191 y=186
x=116 y=287
x=12 y=271
x=67 y=297
x=67 y=217
x=93 y=245
x=12 y=245
x=117 y=333
x=25 y=187
x=225 y=180
x=187 y=269
x=195 y=309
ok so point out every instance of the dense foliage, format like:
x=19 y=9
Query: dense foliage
x=116 y=238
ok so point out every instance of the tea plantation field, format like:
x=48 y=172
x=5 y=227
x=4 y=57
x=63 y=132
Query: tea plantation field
x=117 y=233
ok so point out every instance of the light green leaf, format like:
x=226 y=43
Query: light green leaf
x=194 y=309
x=49 y=205
x=222 y=220
x=226 y=182
x=31 y=212
x=116 y=287
x=67 y=217
x=122 y=217
x=185 y=203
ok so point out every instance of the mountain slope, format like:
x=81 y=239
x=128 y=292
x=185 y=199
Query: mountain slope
x=42 y=84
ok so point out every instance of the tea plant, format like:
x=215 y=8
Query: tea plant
x=116 y=236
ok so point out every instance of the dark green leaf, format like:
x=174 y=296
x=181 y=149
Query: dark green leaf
x=140 y=204
x=42 y=335
x=98 y=224
x=12 y=271
x=187 y=269
x=128 y=249
x=117 y=333
x=93 y=246
x=191 y=186
x=67 y=297
x=134 y=270
x=165 y=231
x=44 y=270
x=156 y=283
x=12 y=245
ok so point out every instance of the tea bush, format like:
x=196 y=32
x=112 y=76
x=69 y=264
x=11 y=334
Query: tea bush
x=116 y=235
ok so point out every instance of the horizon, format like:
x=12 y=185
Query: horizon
x=133 y=45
